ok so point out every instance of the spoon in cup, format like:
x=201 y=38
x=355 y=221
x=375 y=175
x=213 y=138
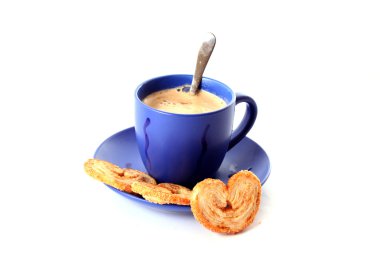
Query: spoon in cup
x=204 y=55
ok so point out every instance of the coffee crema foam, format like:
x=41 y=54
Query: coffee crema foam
x=179 y=100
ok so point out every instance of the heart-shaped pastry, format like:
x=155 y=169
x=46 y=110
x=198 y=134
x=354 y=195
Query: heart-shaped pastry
x=227 y=208
x=115 y=176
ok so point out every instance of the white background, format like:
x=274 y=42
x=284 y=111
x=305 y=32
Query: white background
x=68 y=71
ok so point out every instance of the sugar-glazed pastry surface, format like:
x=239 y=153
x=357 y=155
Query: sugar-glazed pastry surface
x=163 y=193
x=227 y=208
x=115 y=176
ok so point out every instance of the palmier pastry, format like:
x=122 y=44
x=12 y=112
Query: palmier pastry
x=114 y=176
x=164 y=193
x=227 y=208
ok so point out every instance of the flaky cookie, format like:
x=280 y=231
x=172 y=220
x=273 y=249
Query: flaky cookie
x=164 y=193
x=227 y=208
x=114 y=176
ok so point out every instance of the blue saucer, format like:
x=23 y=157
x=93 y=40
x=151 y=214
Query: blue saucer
x=121 y=149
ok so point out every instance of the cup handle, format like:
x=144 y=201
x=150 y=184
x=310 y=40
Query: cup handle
x=247 y=122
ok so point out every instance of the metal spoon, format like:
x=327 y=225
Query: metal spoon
x=203 y=56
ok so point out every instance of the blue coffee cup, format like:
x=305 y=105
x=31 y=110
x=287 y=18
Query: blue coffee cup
x=186 y=148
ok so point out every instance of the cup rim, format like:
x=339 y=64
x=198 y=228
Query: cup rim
x=231 y=102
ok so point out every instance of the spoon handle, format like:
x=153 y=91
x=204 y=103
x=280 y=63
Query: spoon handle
x=203 y=56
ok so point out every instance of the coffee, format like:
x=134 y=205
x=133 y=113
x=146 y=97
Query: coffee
x=179 y=100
